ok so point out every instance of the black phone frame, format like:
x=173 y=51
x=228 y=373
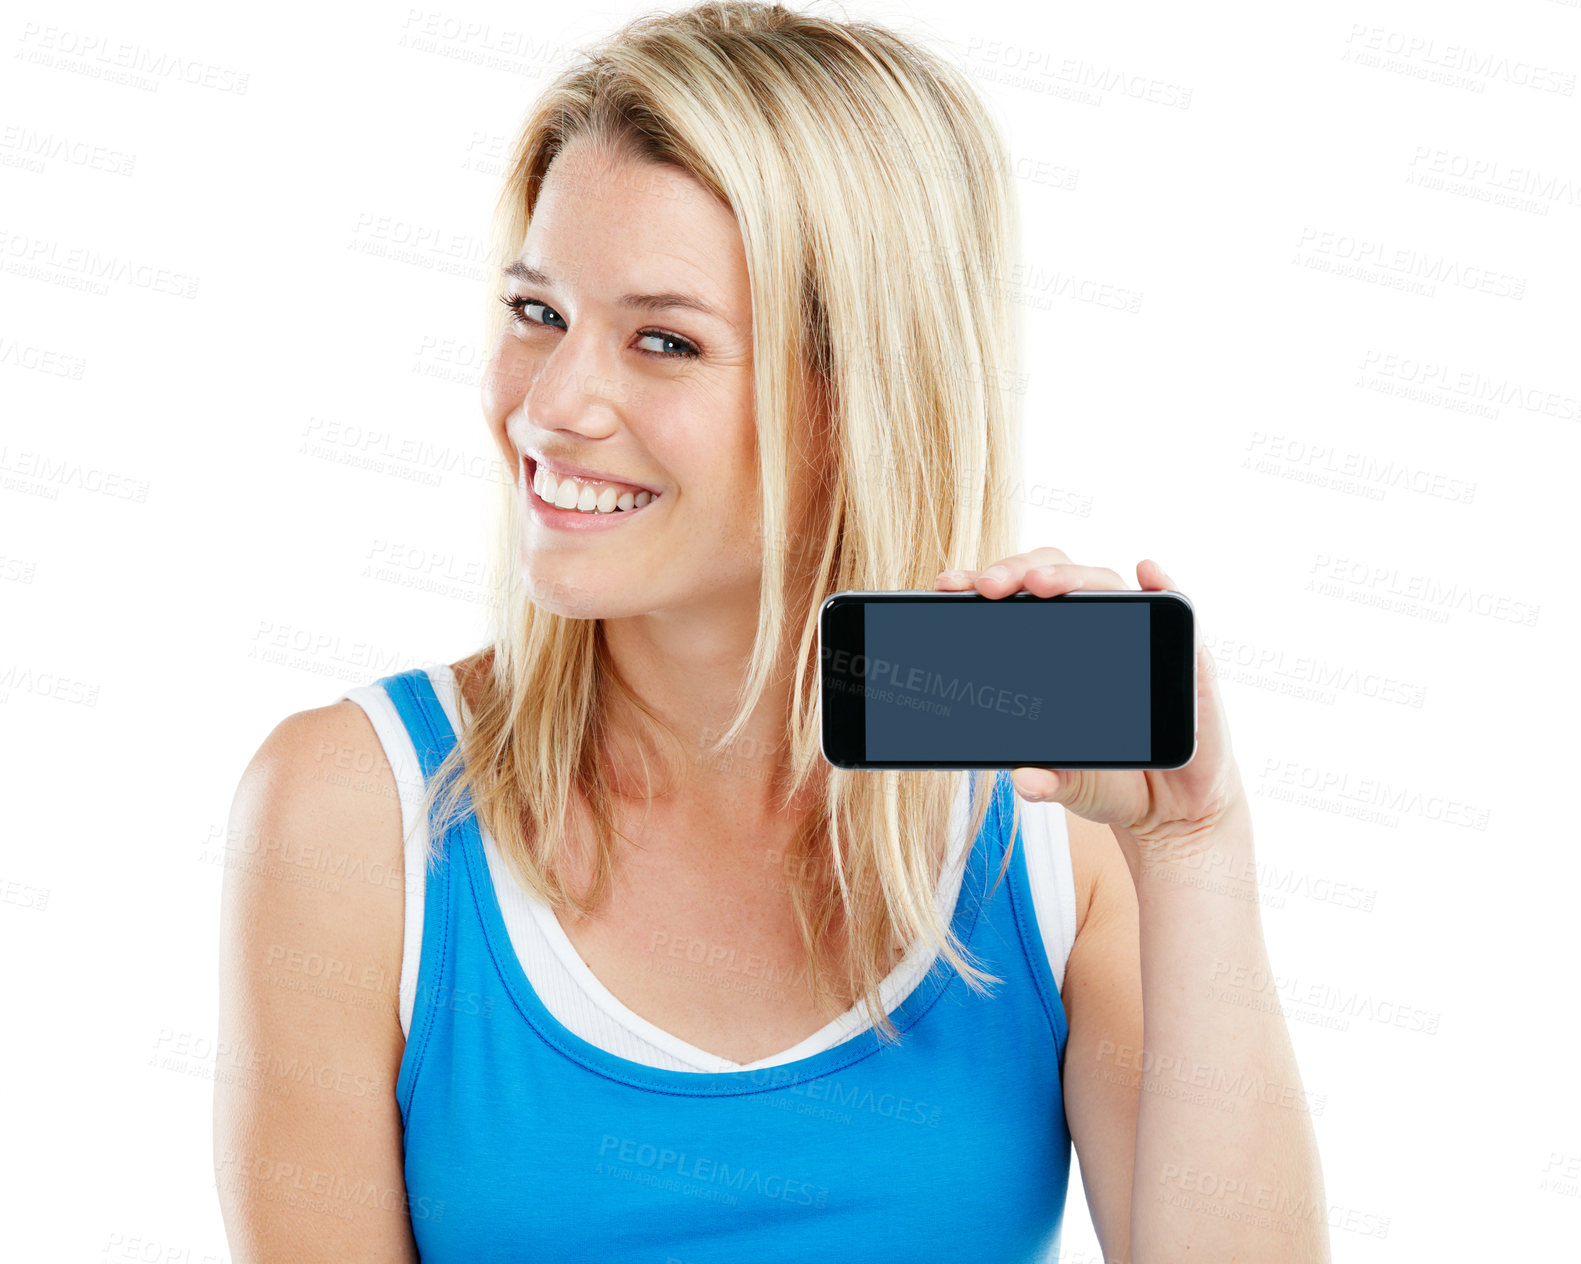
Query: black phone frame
x=841 y=622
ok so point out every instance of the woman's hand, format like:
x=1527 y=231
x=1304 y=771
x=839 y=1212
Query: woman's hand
x=1164 y=814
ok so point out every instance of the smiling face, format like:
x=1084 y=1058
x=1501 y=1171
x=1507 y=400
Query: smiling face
x=627 y=359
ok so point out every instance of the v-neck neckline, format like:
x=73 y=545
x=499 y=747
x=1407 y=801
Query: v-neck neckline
x=777 y=1070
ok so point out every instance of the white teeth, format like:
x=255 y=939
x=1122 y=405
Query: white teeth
x=570 y=492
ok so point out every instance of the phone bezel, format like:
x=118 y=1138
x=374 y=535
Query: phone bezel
x=1173 y=677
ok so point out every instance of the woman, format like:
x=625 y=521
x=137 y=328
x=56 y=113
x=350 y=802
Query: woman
x=660 y=984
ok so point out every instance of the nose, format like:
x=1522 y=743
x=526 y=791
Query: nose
x=576 y=389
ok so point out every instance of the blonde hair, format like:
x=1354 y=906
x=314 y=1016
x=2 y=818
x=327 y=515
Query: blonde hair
x=874 y=199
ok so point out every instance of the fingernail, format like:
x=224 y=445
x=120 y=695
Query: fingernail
x=952 y=575
x=997 y=572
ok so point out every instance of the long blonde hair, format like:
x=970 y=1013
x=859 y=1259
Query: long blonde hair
x=873 y=194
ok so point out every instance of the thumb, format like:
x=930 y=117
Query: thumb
x=1041 y=785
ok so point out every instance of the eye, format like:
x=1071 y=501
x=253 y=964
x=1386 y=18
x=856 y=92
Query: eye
x=685 y=350
x=519 y=305
x=670 y=346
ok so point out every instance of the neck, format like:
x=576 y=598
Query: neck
x=687 y=666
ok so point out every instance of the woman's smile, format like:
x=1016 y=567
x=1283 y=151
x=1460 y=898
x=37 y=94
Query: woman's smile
x=565 y=501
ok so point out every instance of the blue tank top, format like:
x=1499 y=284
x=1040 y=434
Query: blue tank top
x=525 y=1142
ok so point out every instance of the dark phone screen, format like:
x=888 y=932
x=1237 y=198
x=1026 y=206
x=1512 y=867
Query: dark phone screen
x=1049 y=680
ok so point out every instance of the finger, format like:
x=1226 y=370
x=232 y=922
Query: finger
x=1153 y=577
x=1005 y=576
x=1064 y=577
x=1036 y=785
x=950 y=580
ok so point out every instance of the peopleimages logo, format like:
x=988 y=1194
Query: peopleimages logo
x=678 y=1165
x=849 y=1097
x=877 y=674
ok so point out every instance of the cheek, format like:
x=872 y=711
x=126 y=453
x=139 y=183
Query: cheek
x=718 y=460
x=505 y=382
x=733 y=483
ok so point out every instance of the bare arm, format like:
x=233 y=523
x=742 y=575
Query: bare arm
x=1194 y=1140
x=1242 y=1184
x=1223 y=1162
x=1102 y=995
x=308 y=1154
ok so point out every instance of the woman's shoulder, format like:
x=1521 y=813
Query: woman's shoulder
x=320 y=799
x=310 y=957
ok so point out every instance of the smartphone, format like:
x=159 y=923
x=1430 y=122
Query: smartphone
x=958 y=680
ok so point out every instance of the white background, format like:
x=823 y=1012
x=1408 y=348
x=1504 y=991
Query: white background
x=1300 y=290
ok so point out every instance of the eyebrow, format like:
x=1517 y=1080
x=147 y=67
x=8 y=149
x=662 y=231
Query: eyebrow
x=665 y=300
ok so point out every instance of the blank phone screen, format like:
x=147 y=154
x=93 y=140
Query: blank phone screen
x=1006 y=681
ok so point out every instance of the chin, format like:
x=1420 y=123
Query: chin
x=578 y=595
x=554 y=592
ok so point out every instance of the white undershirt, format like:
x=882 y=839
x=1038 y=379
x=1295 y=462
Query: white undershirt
x=574 y=995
